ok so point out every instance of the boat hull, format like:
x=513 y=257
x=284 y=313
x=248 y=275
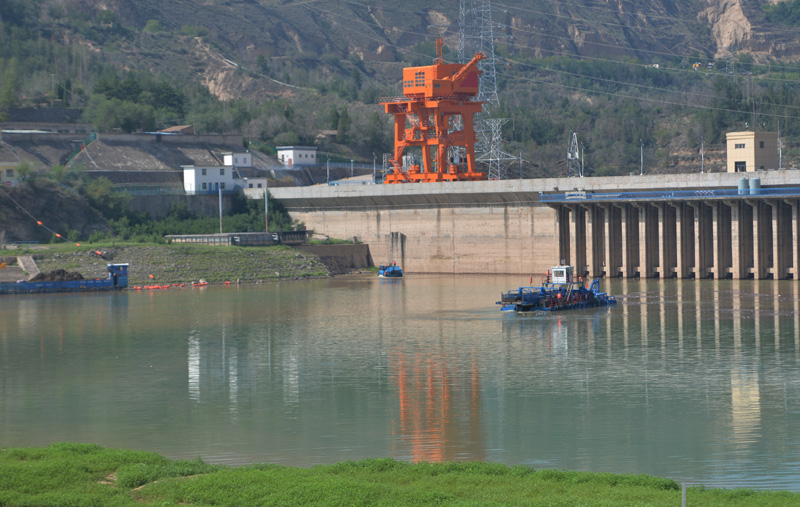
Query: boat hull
x=117 y=280
x=555 y=297
x=390 y=272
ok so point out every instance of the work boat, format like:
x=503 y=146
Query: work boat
x=561 y=292
x=390 y=271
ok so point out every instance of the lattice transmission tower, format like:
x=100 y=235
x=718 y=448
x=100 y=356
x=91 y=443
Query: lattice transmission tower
x=573 y=157
x=477 y=33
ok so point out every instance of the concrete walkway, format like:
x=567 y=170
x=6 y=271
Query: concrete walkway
x=27 y=263
x=12 y=272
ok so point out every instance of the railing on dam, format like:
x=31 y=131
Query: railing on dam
x=668 y=195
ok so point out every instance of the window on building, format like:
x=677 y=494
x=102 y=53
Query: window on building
x=419 y=78
x=222 y=172
x=259 y=185
x=761 y=144
x=739 y=146
x=249 y=185
x=203 y=172
x=10 y=173
x=222 y=186
x=205 y=186
x=740 y=167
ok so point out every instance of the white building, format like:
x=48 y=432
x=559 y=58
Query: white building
x=291 y=156
x=253 y=187
x=238 y=159
x=208 y=179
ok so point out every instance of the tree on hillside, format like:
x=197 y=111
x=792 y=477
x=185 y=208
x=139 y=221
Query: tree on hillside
x=10 y=84
x=333 y=117
x=342 y=127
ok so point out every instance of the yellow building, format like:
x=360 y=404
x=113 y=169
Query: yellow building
x=8 y=174
x=752 y=151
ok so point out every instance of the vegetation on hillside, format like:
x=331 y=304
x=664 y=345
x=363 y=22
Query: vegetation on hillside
x=97 y=207
x=786 y=12
x=88 y=475
x=183 y=263
x=154 y=73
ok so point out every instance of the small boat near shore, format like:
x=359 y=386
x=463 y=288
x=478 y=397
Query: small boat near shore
x=561 y=292
x=390 y=271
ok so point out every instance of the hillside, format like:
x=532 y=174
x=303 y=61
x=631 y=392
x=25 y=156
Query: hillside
x=280 y=71
x=62 y=210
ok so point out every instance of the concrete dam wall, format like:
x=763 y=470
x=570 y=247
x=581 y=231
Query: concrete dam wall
x=627 y=226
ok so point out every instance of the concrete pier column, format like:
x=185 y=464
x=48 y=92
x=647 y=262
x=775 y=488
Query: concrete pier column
x=629 y=240
x=563 y=225
x=761 y=247
x=648 y=240
x=737 y=266
x=667 y=241
x=781 y=240
x=795 y=234
x=594 y=242
x=684 y=239
x=721 y=243
x=577 y=234
x=613 y=241
x=703 y=239
x=643 y=261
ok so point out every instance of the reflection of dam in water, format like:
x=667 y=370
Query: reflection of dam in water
x=714 y=346
x=695 y=381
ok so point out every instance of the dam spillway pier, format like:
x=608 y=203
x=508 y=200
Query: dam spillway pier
x=692 y=235
x=683 y=226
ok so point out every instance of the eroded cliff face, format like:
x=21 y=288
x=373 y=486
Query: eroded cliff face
x=729 y=25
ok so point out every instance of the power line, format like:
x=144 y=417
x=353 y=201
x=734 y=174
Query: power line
x=645 y=99
x=625 y=83
x=648 y=30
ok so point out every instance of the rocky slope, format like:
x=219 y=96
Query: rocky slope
x=221 y=41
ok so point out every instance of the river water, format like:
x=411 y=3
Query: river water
x=696 y=381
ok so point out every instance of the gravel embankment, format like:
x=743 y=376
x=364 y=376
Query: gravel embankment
x=187 y=263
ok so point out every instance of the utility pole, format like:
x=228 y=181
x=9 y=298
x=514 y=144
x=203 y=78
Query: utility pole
x=266 y=207
x=702 y=154
x=641 y=158
x=219 y=189
x=328 y=165
x=374 y=158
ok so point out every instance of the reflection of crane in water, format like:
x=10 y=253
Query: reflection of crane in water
x=434 y=400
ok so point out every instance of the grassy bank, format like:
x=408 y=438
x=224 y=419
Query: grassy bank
x=183 y=263
x=79 y=475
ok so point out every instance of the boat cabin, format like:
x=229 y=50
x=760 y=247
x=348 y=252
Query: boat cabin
x=563 y=274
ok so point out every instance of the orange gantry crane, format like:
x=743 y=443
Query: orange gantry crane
x=435 y=97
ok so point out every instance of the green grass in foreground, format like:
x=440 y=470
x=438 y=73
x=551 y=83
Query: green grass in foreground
x=77 y=475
